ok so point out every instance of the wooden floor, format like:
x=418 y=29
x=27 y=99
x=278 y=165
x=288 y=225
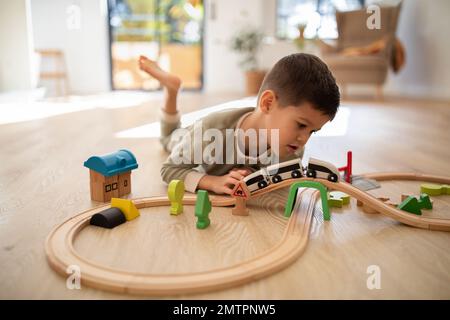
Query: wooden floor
x=43 y=182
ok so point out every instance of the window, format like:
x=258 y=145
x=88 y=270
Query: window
x=125 y=183
x=114 y=186
x=169 y=31
x=316 y=16
x=107 y=188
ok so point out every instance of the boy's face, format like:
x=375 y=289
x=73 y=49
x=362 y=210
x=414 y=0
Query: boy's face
x=295 y=123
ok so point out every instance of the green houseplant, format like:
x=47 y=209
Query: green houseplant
x=246 y=43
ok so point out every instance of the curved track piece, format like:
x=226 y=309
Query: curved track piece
x=61 y=253
x=383 y=176
x=396 y=214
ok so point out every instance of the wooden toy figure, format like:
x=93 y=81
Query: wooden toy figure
x=176 y=193
x=202 y=209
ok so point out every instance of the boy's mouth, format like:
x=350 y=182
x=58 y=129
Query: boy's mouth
x=292 y=148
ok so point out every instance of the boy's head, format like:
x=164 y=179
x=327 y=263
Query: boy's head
x=298 y=96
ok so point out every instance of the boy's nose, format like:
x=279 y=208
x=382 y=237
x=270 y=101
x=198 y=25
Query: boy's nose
x=302 y=140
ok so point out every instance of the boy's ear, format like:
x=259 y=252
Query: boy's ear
x=267 y=101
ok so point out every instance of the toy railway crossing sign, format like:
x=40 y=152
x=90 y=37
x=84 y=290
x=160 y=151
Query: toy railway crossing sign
x=241 y=191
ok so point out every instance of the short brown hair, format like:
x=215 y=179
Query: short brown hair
x=302 y=77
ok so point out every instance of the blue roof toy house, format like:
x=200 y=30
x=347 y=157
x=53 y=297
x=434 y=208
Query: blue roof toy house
x=110 y=174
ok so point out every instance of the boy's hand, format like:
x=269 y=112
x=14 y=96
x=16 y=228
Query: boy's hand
x=223 y=184
x=243 y=170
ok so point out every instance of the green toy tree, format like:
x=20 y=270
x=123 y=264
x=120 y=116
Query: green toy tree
x=202 y=209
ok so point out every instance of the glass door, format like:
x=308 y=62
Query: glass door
x=169 y=31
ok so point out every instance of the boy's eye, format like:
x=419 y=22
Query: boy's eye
x=301 y=125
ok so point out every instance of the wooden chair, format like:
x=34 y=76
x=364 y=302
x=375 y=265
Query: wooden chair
x=58 y=74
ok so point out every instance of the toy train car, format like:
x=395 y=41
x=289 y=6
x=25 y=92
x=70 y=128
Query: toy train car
x=322 y=169
x=291 y=170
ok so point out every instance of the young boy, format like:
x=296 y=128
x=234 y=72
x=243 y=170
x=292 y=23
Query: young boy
x=297 y=97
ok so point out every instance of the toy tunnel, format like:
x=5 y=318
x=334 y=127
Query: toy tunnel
x=307 y=184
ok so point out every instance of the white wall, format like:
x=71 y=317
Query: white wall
x=85 y=49
x=424 y=30
x=222 y=72
x=15 y=46
x=223 y=19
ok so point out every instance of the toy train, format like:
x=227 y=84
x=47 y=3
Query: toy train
x=292 y=169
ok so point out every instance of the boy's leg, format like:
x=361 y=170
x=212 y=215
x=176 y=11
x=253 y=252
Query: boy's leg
x=170 y=117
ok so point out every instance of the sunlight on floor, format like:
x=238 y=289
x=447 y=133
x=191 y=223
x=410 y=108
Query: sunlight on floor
x=338 y=127
x=17 y=110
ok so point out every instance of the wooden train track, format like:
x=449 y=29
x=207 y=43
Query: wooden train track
x=366 y=198
x=61 y=253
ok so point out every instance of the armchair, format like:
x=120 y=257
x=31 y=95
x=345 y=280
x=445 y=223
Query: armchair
x=361 y=55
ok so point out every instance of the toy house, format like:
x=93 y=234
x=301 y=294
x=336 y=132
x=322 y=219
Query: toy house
x=110 y=174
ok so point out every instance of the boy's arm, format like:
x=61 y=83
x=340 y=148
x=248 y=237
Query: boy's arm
x=223 y=184
x=181 y=164
x=194 y=179
x=185 y=172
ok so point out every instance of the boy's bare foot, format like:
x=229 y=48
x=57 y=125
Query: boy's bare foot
x=171 y=82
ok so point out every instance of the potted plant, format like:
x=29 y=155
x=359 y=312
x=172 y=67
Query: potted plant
x=247 y=43
x=306 y=44
x=300 y=40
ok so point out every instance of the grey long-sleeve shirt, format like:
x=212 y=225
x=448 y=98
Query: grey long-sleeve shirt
x=196 y=157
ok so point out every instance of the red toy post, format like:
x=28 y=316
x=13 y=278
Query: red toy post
x=348 y=178
x=348 y=168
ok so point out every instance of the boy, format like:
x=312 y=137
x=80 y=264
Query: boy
x=297 y=97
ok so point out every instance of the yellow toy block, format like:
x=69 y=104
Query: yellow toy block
x=175 y=192
x=126 y=206
x=335 y=203
x=445 y=189
x=432 y=189
x=338 y=195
